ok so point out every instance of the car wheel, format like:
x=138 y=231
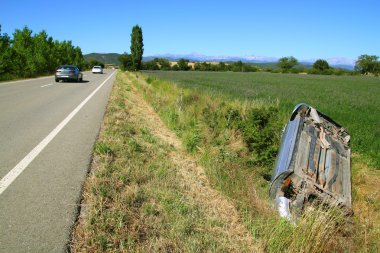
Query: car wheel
x=57 y=80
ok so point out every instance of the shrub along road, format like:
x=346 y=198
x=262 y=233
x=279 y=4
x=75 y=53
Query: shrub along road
x=47 y=134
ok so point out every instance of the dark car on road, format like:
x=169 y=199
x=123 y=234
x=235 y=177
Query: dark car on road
x=313 y=164
x=68 y=73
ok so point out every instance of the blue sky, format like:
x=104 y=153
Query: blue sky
x=303 y=29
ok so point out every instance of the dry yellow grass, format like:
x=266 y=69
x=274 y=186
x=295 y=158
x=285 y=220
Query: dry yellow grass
x=366 y=205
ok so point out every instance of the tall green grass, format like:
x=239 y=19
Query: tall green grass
x=353 y=101
x=312 y=233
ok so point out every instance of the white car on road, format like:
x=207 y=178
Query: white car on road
x=97 y=70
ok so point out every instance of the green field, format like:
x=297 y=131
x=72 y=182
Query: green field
x=352 y=101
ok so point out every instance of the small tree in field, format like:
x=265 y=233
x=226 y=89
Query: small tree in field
x=137 y=47
x=367 y=64
x=286 y=63
x=321 y=65
x=183 y=64
x=163 y=63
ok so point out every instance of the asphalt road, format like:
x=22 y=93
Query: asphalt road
x=39 y=205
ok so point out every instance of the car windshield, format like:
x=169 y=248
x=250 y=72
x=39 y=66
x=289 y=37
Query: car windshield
x=97 y=67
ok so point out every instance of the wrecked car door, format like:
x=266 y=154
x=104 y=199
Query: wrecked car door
x=313 y=163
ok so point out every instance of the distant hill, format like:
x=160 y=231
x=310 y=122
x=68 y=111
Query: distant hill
x=109 y=58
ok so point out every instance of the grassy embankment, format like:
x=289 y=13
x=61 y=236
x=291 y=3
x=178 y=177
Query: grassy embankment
x=139 y=196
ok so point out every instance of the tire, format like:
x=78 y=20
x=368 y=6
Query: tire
x=57 y=80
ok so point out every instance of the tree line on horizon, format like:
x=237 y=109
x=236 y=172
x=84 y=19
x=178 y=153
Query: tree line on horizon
x=366 y=64
x=29 y=55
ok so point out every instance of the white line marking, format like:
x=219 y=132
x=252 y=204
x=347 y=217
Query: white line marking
x=47 y=85
x=21 y=166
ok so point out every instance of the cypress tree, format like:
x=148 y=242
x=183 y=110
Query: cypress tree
x=137 y=47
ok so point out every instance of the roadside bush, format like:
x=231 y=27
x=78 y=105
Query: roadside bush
x=295 y=71
x=126 y=62
x=250 y=68
x=149 y=79
x=6 y=77
x=276 y=71
x=150 y=65
x=268 y=69
x=327 y=72
x=259 y=129
x=313 y=71
x=192 y=139
x=340 y=72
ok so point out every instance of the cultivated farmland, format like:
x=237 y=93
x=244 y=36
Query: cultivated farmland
x=353 y=101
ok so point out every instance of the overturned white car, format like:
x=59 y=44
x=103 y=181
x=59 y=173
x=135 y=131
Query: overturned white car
x=313 y=163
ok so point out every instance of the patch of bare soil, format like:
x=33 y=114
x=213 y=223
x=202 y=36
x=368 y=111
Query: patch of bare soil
x=192 y=176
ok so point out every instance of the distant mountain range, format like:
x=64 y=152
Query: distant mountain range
x=112 y=58
x=106 y=58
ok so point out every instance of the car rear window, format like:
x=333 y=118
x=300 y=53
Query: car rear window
x=67 y=67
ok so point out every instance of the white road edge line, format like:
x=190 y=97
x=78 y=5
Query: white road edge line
x=21 y=166
x=46 y=85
